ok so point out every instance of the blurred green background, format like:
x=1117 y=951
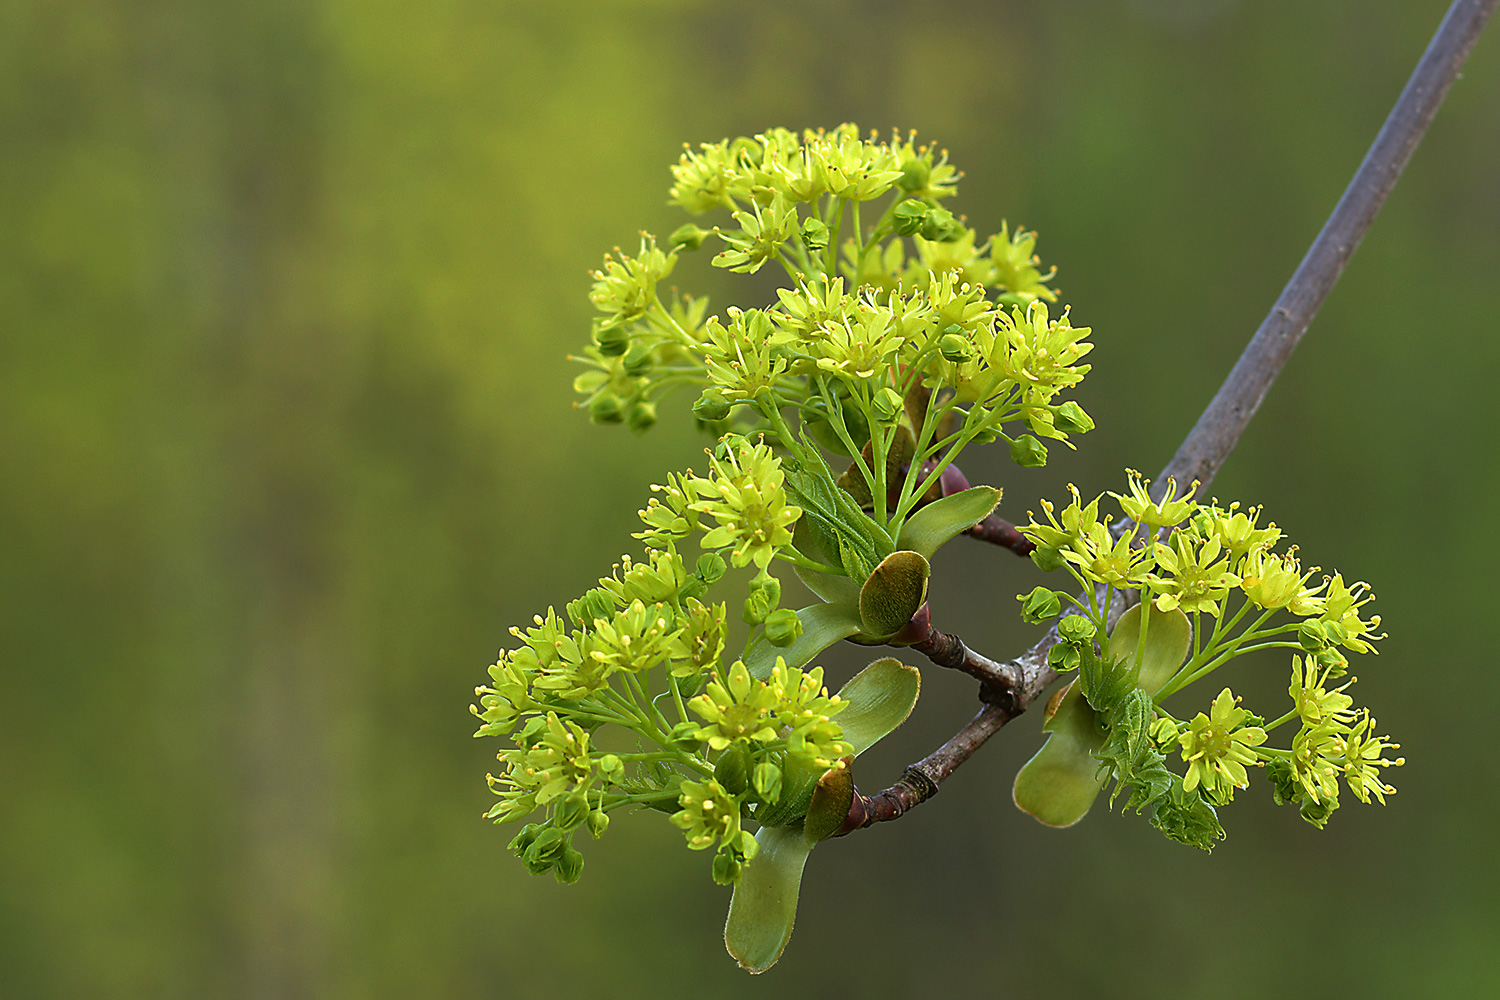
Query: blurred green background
x=286 y=289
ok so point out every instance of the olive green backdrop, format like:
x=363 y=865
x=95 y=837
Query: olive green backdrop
x=286 y=289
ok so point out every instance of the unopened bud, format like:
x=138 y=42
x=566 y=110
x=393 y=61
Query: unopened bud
x=711 y=406
x=1027 y=452
x=688 y=237
x=914 y=174
x=1040 y=605
x=783 y=627
x=955 y=348
x=569 y=865
x=612 y=339
x=909 y=217
x=887 y=403
x=1076 y=628
x=642 y=416
x=637 y=361
x=1070 y=419
x=605 y=409
x=814 y=234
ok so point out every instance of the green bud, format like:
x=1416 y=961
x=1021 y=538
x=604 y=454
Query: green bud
x=941 y=226
x=569 y=866
x=1047 y=558
x=909 y=217
x=1311 y=637
x=688 y=237
x=1336 y=633
x=598 y=823
x=757 y=606
x=955 y=348
x=727 y=869
x=887 y=403
x=543 y=852
x=1040 y=605
x=711 y=566
x=814 y=234
x=1027 y=452
x=642 y=416
x=1070 y=419
x=1284 y=785
x=766 y=780
x=783 y=627
x=1318 y=813
x=733 y=769
x=914 y=174
x=523 y=840
x=770 y=586
x=1076 y=628
x=612 y=339
x=611 y=767
x=711 y=406
x=605 y=408
x=637 y=361
x=1063 y=657
x=681 y=736
x=570 y=812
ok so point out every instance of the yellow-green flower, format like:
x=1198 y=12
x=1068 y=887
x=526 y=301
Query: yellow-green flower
x=746 y=496
x=1341 y=604
x=502 y=702
x=1363 y=758
x=1317 y=756
x=626 y=287
x=710 y=815
x=806 y=710
x=551 y=758
x=700 y=643
x=1273 y=581
x=1316 y=706
x=702 y=179
x=1141 y=509
x=740 y=708
x=1217 y=747
x=1198 y=579
x=1013 y=266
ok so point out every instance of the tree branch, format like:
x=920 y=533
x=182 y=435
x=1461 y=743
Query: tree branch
x=1219 y=428
x=1008 y=689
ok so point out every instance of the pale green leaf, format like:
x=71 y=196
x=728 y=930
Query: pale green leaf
x=764 y=905
x=929 y=528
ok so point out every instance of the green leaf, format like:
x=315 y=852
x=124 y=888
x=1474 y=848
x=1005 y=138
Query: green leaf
x=1059 y=784
x=893 y=593
x=880 y=697
x=1169 y=636
x=822 y=626
x=1186 y=818
x=829 y=806
x=834 y=518
x=764 y=905
x=929 y=528
x=835 y=589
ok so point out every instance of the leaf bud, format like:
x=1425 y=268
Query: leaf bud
x=814 y=234
x=733 y=769
x=1076 y=628
x=1027 y=452
x=642 y=416
x=688 y=237
x=598 y=823
x=887 y=403
x=909 y=217
x=914 y=175
x=569 y=866
x=605 y=408
x=1047 y=558
x=637 y=361
x=955 y=348
x=570 y=812
x=711 y=406
x=1040 y=605
x=612 y=339
x=783 y=627
x=766 y=780
x=1071 y=419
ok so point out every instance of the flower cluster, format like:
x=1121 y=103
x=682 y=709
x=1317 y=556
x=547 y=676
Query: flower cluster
x=1221 y=567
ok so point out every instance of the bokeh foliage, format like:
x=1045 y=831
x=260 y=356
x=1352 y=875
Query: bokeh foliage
x=287 y=443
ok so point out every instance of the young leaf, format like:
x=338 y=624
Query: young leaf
x=893 y=593
x=933 y=525
x=764 y=905
x=880 y=697
x=1059 y=784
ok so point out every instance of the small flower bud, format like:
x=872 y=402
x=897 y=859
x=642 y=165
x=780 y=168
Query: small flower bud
x=598 y=823
x=887 y=403
x=637 y=361
x=909 y=217
x=1311 y=637
x=688 y=237
x=683 y=736
x=570 y=812
x=711 y=406
x=1063 y=657
x=766 y=780
x=941 y=226
x=814 y=234
x=642 y=416
x=955 y=348
x=726 y=869
x=612 y=339
x=1027 y=452
x=783 y=627
x=611 y=767
x=1070 y=419
x=605 y=408
x=1047 y=558
x=711 y=567
x=914 y=174
x=1040 y=605
x=569 y=866
x=1076 y=628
